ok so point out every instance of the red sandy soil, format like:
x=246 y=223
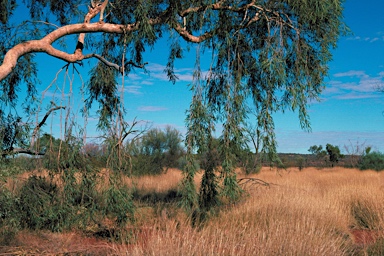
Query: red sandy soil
x=71 y=243
x=364 y=237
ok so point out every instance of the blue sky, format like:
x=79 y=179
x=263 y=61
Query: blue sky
x=350 y=111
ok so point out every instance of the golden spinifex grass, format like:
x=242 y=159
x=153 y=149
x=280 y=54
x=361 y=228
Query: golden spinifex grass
x=301 y=213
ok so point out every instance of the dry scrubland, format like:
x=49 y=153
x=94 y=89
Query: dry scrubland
x=311 y=212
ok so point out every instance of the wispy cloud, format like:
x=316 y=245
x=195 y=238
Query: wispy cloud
x=147 y=82
x=366 y=39
x=151 y=108
x=134 y=77
x=353 y=84
x=133 y=89
x=156 y=71
x=351 y=73
x=56 y=94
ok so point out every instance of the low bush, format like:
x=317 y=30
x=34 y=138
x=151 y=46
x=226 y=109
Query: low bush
x=43 y=204
x=372 y=161
x=9 y=216
x=39 y=205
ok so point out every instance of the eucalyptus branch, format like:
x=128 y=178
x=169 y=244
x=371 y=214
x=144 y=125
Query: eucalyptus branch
x=15 y=151
x=93 y=10
x=220 y=5
x=191 y=38
x=114 y=65
x=42 y=122
x=45 y=44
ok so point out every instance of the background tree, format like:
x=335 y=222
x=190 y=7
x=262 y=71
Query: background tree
x=333 y=153
x=155 y=151
x=267 y=56
x=317 y=151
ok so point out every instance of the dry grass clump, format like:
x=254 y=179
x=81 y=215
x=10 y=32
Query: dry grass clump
x=303 y=213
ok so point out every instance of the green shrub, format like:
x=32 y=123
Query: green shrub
x=39 y=205
x=301 y=163
x=119 y=204
x=9 y=216
x=372 y=161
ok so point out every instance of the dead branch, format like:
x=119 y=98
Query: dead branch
x=42 y=122
x=254 y=182
x=114 y=65
x=15 y=151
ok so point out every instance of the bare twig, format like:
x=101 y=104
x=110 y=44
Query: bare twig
x=254 y=182
x=114 y=65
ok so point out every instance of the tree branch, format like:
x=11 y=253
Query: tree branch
x=220 y=5
x=93 y=10
x=45 y=44
x=16 y=151
x=113 y=65
x=42 y=122
x=191 y=38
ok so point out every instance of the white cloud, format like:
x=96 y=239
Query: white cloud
x=159 y=75
x=157 y=72
x=147 y=82
x=351 y=73
x=133 y=76
x=151 y=108
x=134 y=89
x=366 y=39
x=356 y=38
x=155 y=67
x=56 y=94
x=353 y=84
x=355 y=96
x=374 y=39
x=185 y=77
